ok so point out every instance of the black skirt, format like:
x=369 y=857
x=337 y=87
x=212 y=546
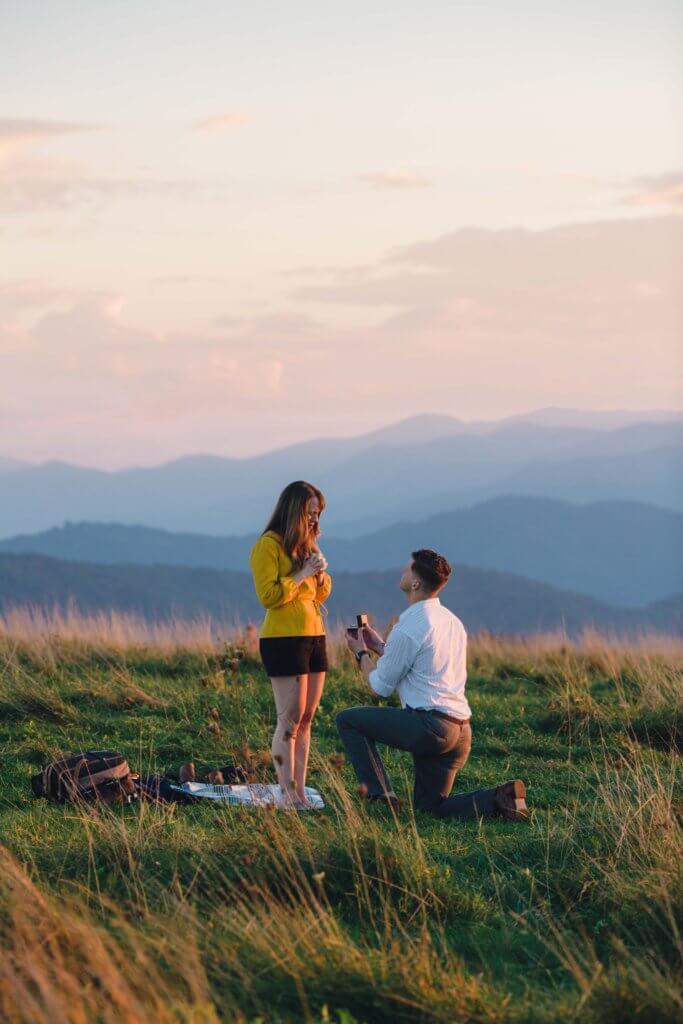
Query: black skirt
x=293 y=655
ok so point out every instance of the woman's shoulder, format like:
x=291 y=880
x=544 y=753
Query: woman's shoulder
x=267 y=540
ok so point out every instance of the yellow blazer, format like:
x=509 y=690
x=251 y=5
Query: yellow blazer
x=292 y=609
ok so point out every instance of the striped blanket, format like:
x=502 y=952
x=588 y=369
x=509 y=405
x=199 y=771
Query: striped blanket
x=254 y=794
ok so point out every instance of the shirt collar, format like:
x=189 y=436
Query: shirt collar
x=418 y=604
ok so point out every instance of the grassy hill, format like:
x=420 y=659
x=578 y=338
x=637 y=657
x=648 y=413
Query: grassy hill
x=499 y=602
x=205 y=914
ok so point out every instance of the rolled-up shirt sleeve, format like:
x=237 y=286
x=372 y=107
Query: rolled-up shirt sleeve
x=395 y=663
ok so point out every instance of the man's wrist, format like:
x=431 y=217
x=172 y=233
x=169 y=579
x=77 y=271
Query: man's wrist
x=359 y=655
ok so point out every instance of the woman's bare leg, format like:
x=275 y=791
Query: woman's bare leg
x=290 y=702
x=314 y=691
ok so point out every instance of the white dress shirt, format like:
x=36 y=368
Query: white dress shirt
x=425 y=660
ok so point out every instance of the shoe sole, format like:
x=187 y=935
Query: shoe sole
x=520 y=812
x=519 y=790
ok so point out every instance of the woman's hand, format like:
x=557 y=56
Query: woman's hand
x=313 y=565
x=320 y=575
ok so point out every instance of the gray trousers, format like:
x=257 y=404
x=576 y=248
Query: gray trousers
x=440 y=748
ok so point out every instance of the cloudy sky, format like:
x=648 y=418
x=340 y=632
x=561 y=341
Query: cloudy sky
x=230 y=226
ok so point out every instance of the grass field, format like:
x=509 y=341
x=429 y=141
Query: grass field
x=203 y=914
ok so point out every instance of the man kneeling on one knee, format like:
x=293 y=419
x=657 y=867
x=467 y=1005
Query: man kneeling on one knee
x=425 y=661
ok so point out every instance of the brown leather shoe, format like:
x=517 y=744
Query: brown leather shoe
x=510 y=801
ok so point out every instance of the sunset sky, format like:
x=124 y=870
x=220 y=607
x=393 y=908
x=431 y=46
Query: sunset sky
x=226 y=227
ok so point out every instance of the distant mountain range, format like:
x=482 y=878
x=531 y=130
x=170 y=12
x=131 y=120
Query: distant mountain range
x=408 y=471
x=9 y=465
x=494 y=601
x=625 y=553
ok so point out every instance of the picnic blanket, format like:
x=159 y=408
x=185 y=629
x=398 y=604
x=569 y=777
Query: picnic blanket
x=254 y=794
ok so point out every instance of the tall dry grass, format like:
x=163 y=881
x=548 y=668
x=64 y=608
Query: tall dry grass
x=52 y=629
x=63 y=964
x=341 y=911
x=46 y=629
x=595 y=682
x=274 y=941
x=270 y=944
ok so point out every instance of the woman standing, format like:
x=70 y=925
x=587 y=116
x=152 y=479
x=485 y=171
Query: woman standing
x=291 y=583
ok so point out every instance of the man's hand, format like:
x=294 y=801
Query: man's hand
x=356 y=643
x=373 y=640
x=359 y=643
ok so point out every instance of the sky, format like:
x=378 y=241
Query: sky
x=227 y=227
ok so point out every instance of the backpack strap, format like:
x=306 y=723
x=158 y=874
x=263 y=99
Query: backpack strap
x=91 y=781
x=59 y=778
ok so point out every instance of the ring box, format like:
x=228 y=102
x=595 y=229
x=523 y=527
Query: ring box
x=361 y=621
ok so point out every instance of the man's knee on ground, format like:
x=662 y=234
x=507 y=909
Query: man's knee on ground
x=427 y=803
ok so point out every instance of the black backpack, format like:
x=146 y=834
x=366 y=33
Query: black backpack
x=91 y=775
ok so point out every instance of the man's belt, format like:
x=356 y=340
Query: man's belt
x=440 y=714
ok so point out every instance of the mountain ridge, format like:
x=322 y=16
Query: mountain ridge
x=549 y=416
x=368 y=479
x=624 y=553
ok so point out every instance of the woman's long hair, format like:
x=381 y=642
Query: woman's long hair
x=290 y=522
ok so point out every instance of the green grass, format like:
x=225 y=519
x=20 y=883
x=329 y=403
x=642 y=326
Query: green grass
x=206 y=913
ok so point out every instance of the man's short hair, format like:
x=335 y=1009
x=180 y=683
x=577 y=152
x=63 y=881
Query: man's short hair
x=432 y=569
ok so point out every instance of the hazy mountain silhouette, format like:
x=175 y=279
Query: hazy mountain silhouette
x=410 y=470
x=654 y=477
x=611 y=419
x=624 y=553
x=8 y=465
x=499 y=602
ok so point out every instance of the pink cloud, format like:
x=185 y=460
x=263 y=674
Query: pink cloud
x=220 y=123
x=483 y=320
x=30 y=183
x=39 y=185
x=658 y=190
x=18 y=129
